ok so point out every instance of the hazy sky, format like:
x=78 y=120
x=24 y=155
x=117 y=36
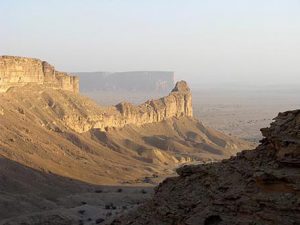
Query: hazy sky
x=203 y=41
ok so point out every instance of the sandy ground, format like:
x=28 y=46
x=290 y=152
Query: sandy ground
x=98 y=206
x=243 y=112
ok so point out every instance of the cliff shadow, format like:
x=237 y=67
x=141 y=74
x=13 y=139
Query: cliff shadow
x=26 y=191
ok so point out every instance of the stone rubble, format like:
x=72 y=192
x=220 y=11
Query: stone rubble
x=260 y=186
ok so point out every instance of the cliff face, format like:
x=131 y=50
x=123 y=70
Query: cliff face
x=260 y=186
x=48 y=136
x=73 y=136
x=177 y=104
x=19 y=71
x=134 y=81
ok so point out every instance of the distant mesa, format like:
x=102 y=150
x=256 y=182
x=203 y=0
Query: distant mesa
x=19 y=71
x=136 y=81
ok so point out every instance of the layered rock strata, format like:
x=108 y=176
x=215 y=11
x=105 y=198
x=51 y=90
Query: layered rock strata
x=260 y=186
x=19 y=71
x=177 y=104
x=81 y=114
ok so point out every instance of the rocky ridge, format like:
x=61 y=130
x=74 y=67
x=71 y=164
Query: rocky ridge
x=81 y=114
x=57 y=146
x=260 y=186
x=160 y=133
x=19 y=71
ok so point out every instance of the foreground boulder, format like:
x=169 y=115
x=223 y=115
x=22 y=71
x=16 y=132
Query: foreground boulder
x=261 y=186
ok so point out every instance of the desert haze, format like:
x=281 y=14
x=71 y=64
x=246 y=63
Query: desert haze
x=149 y=112
x=72 y=151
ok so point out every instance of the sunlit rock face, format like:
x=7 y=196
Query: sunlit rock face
x=19 y=71
x=177 y=104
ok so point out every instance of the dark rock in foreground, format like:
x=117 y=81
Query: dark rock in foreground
x=261 y=186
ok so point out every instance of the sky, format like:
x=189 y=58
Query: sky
x=240 y=42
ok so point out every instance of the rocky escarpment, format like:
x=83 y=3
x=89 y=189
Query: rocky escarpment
x=260 y=186
x=133 y=81
x=177 y=104
x=19 y=71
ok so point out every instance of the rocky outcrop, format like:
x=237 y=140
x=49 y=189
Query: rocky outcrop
x=260 y=186
x=19 y=71
x=177 y=104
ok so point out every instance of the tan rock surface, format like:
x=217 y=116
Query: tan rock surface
x=81 y=114
x=39 y=123
x=57 y=147
x=19 y=71
x=53 y=143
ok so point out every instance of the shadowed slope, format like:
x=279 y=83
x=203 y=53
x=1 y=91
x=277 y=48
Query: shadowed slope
x=32 y=197
x=37 y=131
x=255 y=187
x=56 y=146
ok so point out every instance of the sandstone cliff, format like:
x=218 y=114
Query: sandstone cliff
x=177 y=104
x=39 y=123
x=261 y=186
x=53 y=142
x=19 y=71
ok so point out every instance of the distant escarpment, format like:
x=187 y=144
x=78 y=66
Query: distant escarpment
x=19 y=71
x=134 y=81
x=261 y=186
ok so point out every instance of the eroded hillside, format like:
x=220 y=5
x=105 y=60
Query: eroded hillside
x=56 y=145
x=255 y=187
x=69 y=135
